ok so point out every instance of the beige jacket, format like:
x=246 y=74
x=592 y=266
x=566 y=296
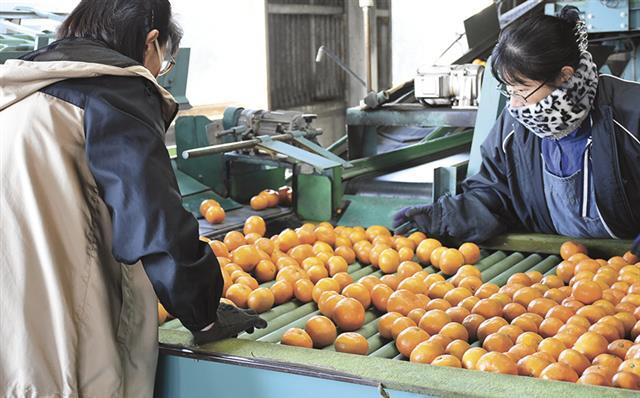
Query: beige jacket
x=75 y=322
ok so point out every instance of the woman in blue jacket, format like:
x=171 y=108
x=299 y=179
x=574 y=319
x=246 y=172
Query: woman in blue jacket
x=563 y=157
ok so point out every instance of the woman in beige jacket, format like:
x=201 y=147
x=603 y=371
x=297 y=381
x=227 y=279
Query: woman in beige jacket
x=93 y=230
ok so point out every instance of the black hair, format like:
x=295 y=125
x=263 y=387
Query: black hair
x=537 y=48
x=123 y=25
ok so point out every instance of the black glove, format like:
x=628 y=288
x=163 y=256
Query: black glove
x=231 y=321
x=635 y=249
x=413 y=217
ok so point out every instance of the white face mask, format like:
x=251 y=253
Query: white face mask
x=563 y=111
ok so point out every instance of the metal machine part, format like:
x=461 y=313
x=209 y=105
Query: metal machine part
x=240 y=124
x=455 y=85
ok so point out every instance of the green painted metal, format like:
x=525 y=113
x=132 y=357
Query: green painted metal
x=372 y=210
x=313 y=198
x=410 y=155
x=210 y=170
x=176 y=81
x=248 y=179
x=411 y=115
x=491 y=105
x=446 y=180
x=379 y=367
x=300 y=155
x=541 y=243
x=396 y=375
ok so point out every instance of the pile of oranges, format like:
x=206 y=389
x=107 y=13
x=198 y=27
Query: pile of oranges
x=581 y=324
x=211 y=210
x=271 y=198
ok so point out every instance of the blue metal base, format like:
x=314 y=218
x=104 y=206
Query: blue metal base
x=186 y=377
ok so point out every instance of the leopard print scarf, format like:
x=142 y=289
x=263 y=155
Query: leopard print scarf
x=563 y=111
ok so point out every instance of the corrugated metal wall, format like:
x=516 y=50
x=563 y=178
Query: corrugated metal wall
x=294 y=76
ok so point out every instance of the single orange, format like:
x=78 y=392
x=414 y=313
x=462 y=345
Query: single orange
x=591 y=345
x=239 y=294
x=486 y=290
x=575 y=360
x=630 y=365
x=586 y=291
x=469 y=302
x=321 y=330
x=513 y=310
x=380 y=295
x=496 y=362
x=425 y=248
x=349 y=314
x=450 y=261
x=401 y=301
x=401 y=324
x=440 y=289
x=569 y=248
x=385 y=323
x=409 y=338
x=457 y=314
x=249 y=281
x=328 y=301
x=352 y=343
x=626 y=380
x=388 y=261
x=620 y=348
x=369 y=281
x=512 y=331
x=525 y=295
x=470 y=251
x=552 y=346
x=303 y=289
x=529 y=338
x=488 y=308
x=261 y=300
x=297 y=337
x=436 y=255
x=497 y=342
x=491 y=325
x=255 y=224
x=594 y=379
x=282 y=292
x=447 y=360
x=457 y=348
x=323 y=285
x=532 y=365
x=433 y=321
x=414 y=284
x=549 y=327
x=471 y=323
x=519 y=351
x=347 y=253
x=233 y=240
x=559 y=371
x=426 y=352
x=541 y=306
x=343 y=278
x=560 y=312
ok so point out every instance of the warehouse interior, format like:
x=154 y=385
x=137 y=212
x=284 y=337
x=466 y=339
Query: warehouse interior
x=306 y=129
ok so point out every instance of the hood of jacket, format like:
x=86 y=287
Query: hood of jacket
x=72 y=59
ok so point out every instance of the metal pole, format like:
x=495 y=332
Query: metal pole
x=231 y=146
x=367 y=6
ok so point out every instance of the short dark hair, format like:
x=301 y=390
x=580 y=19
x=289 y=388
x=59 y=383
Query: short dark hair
x=123 y=25
x=537 y=48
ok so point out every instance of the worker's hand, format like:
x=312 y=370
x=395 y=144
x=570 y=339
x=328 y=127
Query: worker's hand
x=413 y=217
x=230 y=322
x=635 y=249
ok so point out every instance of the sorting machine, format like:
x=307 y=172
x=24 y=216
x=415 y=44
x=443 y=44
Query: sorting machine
x=402 y=146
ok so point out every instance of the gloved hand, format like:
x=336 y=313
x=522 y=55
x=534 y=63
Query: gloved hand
x=635 y=248
x=413 y=217
x=231 y=321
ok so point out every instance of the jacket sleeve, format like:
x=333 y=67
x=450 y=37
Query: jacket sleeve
x=484 y=209
x=131 y=166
